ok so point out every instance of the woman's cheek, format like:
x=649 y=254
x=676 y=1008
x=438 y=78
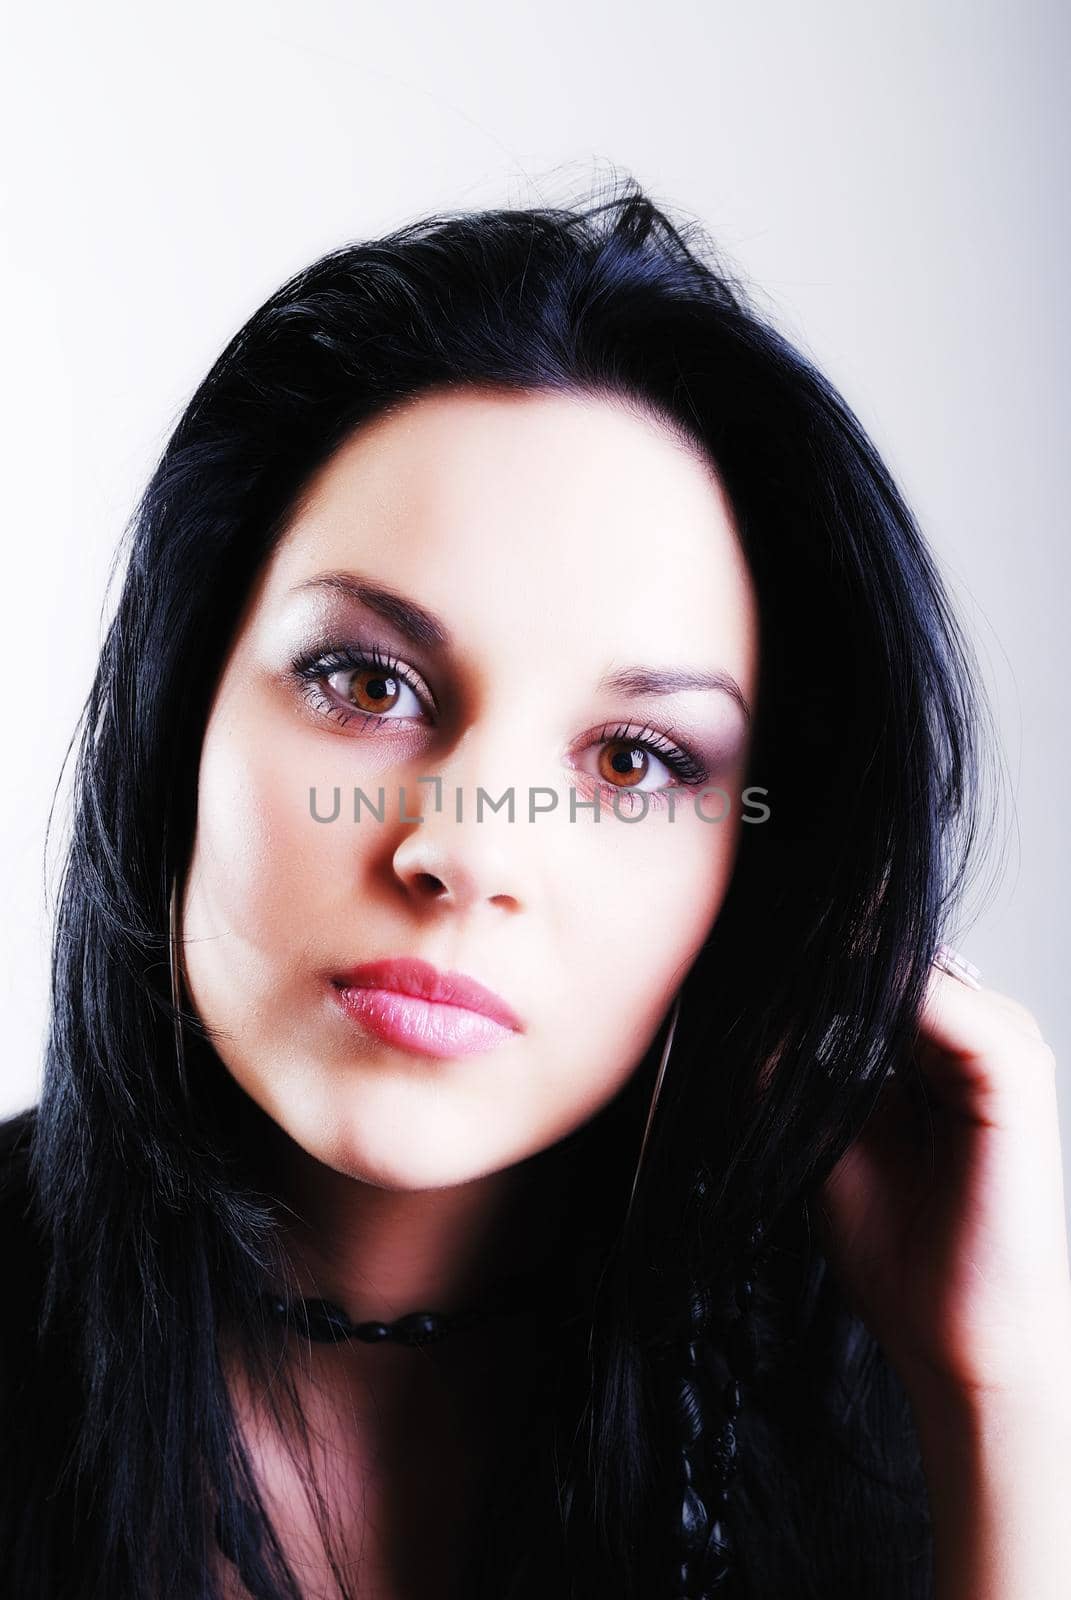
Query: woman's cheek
x=258 y=850
x=640 y=924
x=665 y=879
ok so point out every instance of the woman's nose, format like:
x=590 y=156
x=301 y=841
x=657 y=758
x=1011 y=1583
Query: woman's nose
x=456 y=868
x=473 y=843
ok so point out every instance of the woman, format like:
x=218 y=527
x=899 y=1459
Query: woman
x=511 y=1123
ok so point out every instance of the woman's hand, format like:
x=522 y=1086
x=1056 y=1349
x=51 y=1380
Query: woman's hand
x=952 y=1244
x=950 y=1240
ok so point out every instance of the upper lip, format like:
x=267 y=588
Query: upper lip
x=409 y=975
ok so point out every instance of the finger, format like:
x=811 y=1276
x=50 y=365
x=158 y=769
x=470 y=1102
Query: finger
x=978 y=1042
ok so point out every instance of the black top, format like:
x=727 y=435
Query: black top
x=820 y=1446
x=41 y=1399
x=36 y=1399
x=21 y=1253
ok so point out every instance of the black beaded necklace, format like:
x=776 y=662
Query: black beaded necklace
x=321 y=1321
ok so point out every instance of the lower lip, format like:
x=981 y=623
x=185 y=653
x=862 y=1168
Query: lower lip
x=424 y=1026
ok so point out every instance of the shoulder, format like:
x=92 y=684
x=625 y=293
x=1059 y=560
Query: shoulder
x=40 y=1392
x=16 y=1139
x=16 y=1132
x=21 y=1248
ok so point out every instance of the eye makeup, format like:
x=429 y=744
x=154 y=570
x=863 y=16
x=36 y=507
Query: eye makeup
x=313 y=668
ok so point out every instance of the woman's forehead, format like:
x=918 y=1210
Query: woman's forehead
x=456 y=450
x=532 y=510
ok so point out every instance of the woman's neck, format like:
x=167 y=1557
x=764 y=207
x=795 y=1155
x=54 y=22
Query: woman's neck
x=380 y=1253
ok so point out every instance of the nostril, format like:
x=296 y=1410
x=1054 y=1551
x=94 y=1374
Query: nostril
x=428 y=880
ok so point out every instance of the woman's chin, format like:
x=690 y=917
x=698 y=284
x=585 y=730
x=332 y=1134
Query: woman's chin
x=406 y=1159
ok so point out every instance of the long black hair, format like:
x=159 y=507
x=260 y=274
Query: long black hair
x=145 y=1228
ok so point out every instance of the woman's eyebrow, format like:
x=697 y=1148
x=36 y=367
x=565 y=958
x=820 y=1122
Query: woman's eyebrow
x=423 y=627
x=419 y=625
x=640 y=682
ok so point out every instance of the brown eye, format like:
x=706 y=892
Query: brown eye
x=623 y=764
x=362 y=685
x=643 y=761
x=372 y=689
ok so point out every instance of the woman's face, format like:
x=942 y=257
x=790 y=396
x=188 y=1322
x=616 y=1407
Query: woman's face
x=517 y=551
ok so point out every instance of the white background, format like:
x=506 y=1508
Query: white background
x=889 y=179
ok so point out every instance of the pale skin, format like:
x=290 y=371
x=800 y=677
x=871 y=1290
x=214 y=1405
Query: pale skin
x=525 y=526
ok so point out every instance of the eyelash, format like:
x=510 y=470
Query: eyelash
x=313 y=665
x=317 y=664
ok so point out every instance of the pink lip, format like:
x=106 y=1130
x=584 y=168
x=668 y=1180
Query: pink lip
x=411 y=1003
